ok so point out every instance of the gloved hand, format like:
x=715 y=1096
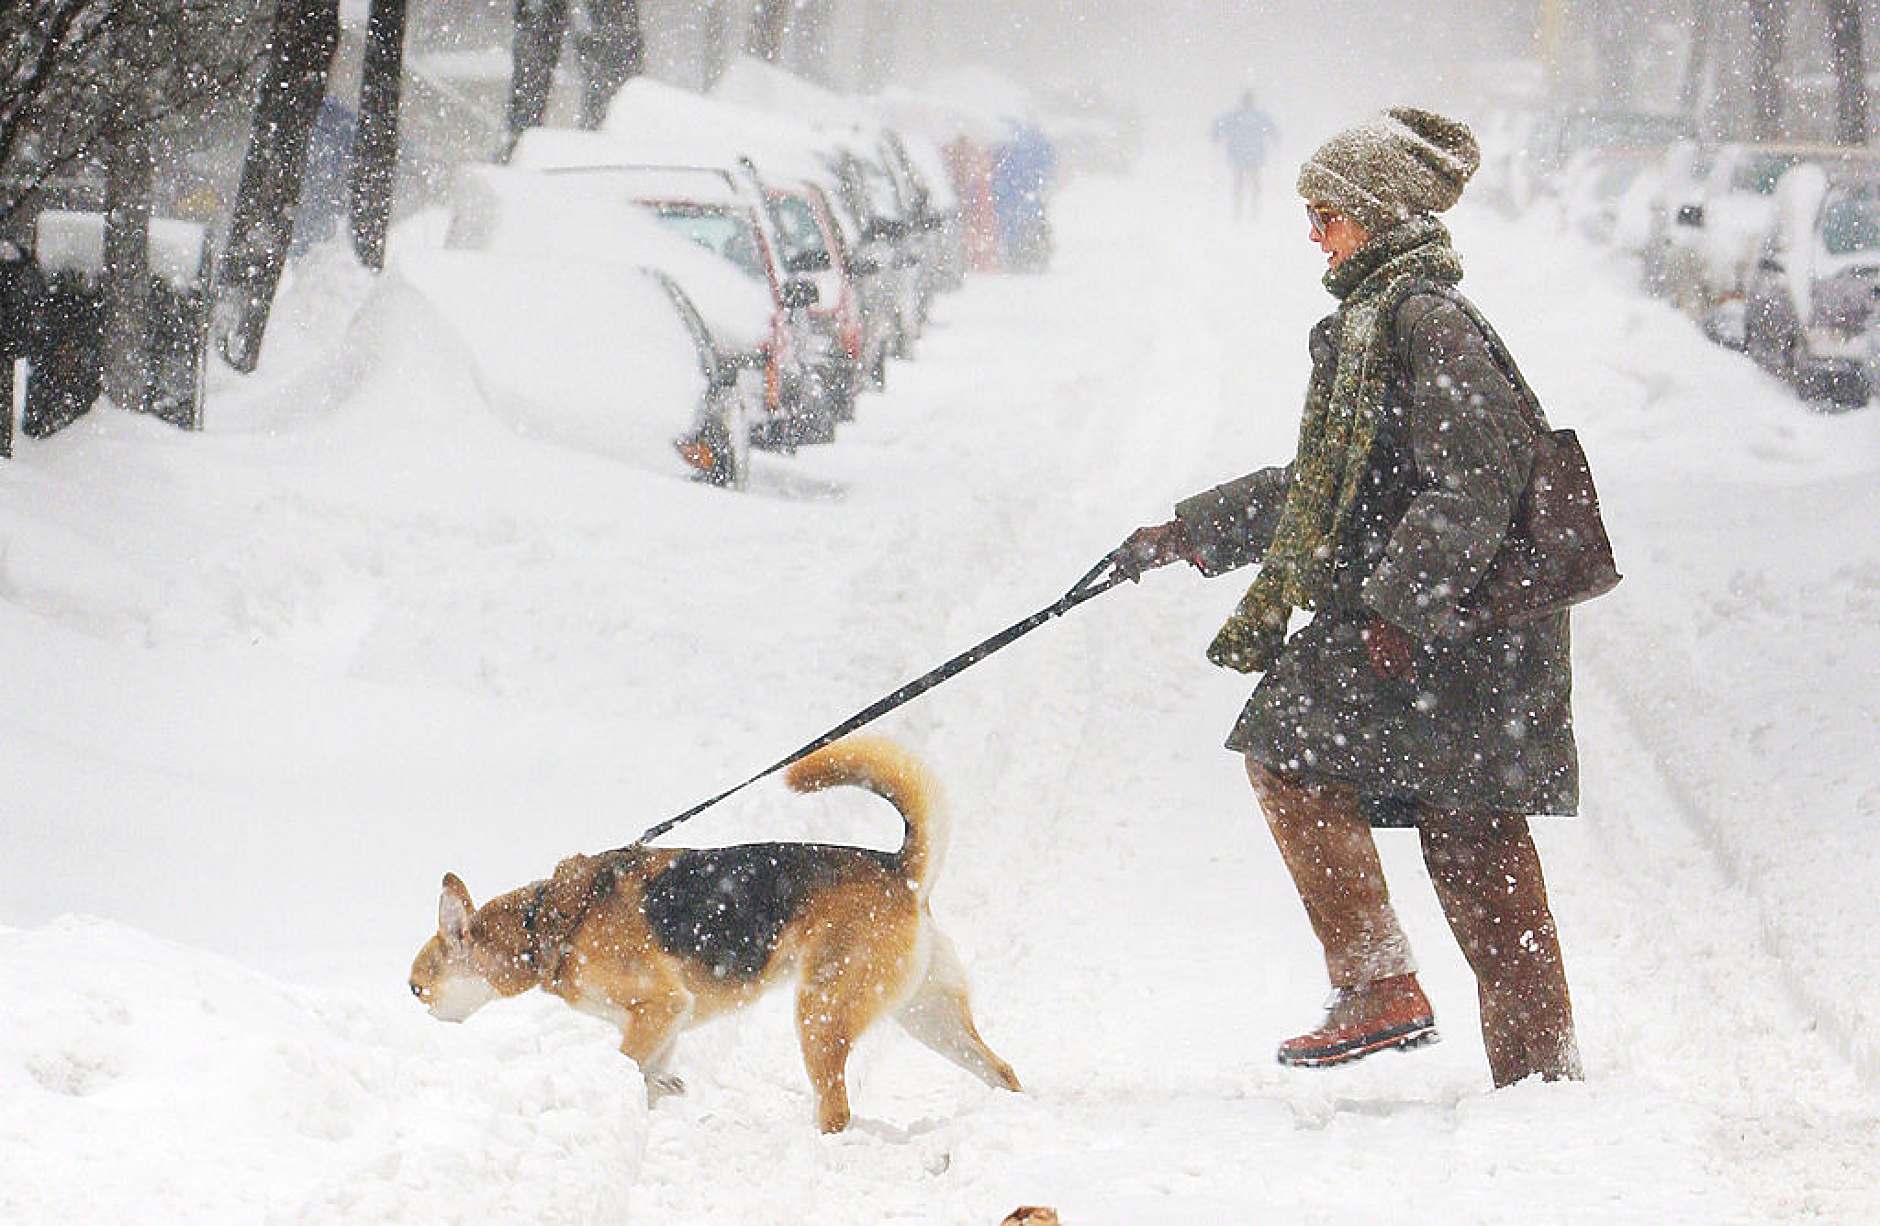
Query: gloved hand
x=1391 y=650
x=1148 y=548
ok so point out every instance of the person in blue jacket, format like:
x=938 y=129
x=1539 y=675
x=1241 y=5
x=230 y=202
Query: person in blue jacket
x=1245 y=135
x=1021 y=178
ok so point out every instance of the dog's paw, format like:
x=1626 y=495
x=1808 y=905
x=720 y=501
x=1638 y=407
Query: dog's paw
x=663 y=1085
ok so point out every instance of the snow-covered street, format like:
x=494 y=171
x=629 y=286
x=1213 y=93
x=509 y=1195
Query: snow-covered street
x=267 y=683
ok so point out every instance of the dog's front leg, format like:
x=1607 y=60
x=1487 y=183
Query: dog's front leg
x=648 y=1035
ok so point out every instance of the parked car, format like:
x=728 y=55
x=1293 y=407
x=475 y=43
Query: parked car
x=723 y=210
x=1554 y=139
x=714 y=210
x=1809 y=307
x=951 y=144
x=927 y=200
x=1714 y=238
x=523 y=213
x=788 y=159
x=1595 y=184
x=1678 y=181
x=815 y=247
x=891 y=242
x=647 y=376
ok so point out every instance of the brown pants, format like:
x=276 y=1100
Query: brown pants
x=1487 y=876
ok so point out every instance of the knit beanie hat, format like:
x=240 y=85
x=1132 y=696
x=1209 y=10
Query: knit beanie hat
x=1400 y=164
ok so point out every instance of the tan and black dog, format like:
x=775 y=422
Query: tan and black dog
x=657 y=939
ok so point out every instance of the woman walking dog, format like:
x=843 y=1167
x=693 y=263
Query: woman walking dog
x=1392 y=707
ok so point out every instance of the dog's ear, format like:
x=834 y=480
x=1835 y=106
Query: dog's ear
x=454 y=910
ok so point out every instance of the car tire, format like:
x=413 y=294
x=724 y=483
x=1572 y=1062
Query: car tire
x=841 y=385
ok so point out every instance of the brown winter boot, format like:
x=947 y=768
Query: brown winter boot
x=1384 y=1014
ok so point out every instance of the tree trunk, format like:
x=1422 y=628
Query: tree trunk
x=1615 y=35
x=1850 y=86
x=879 y=19
x=1697 y=63
x=769 y=29
x=1552 y=39
x=375 y=140
x=300 y=51
x=540 y=27
x=129 y=169
x=613 y=51
x=715 y=37
x=811 y=31
x=1769 y=20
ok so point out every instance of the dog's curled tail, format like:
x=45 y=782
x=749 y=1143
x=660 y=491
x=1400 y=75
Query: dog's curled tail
x=896 y=776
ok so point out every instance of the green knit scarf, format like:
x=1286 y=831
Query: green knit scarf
x=1335 y=437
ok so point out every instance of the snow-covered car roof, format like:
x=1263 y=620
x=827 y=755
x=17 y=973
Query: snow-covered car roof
x=650 y=120
x=941 y=120
x=559 y=151
x=594 y=217
x=771 y=90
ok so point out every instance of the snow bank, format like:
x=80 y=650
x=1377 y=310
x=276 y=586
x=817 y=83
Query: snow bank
x=146 y=1081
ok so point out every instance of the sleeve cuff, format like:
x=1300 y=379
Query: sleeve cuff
x=1424 y=612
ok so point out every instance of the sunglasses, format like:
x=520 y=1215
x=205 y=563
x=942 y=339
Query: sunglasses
x=1321 y=217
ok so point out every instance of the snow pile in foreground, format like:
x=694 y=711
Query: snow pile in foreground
x=147 y=1081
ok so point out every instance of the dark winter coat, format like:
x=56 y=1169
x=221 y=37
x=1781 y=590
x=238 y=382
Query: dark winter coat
x=1486 y=724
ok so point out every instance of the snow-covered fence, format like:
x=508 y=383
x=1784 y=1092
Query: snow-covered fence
x=66 y=361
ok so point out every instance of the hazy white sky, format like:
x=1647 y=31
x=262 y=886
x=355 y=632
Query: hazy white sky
x=1314 y=63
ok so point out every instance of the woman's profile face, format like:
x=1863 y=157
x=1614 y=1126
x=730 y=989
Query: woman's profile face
x=1335 y=234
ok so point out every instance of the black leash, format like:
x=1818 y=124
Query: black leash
x=1092 y=584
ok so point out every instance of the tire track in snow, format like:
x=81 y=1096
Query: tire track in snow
x=1667 y=1012
x=1831 y=1022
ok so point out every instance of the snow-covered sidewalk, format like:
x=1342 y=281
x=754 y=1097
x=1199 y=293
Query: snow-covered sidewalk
x=268 y=683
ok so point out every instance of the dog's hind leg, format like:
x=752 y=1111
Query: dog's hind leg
x=938 y=1015
x=846 y=986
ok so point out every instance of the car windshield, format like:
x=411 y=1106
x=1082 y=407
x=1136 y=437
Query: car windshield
x=718 y=230
x=797 y=224
x=1850 y=223
x=1757 y=173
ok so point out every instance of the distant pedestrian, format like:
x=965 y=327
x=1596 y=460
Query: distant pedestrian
x=1246 y=134
x=1021 y=181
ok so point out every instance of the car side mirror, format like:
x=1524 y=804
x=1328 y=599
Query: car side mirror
x=1691 y=215
x=796 y=294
